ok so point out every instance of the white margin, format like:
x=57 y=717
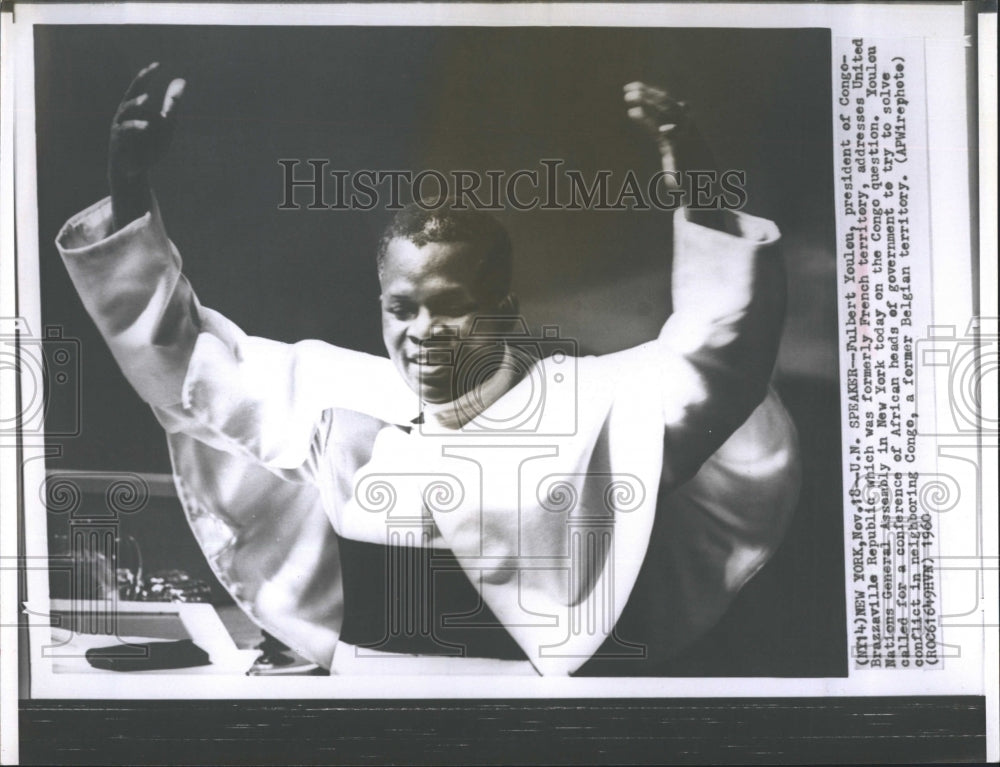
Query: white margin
x=941 y=25
x=988 y=307
x=9 y=672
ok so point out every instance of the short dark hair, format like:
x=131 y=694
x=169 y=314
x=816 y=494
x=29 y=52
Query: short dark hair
x=441 y=221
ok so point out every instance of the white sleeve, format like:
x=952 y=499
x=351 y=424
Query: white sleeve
x=718 y=348
x=201 y=373
x=131 y=284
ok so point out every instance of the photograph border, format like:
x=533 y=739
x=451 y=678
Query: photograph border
x=748 y=730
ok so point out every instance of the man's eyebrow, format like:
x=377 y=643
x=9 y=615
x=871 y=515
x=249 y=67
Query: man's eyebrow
x=444 y=293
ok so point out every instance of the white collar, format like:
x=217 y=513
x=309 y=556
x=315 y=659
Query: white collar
x=457 y=413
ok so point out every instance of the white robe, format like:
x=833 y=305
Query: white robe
x=275 y=445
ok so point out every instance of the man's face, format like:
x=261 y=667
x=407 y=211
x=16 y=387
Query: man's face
x=431 y=296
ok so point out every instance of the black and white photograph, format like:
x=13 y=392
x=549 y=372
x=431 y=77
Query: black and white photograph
x=520 y=356
x=471 y=355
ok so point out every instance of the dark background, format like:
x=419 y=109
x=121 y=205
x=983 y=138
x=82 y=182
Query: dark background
x=457 y=98
x=867 y=730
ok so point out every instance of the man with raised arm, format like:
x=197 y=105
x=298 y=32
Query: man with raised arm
x=429 y=513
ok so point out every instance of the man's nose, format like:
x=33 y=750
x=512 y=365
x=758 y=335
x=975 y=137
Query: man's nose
x=425 y=326
x=419 y=327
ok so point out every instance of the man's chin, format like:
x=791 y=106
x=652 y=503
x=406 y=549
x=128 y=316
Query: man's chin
x=432 y=389
x=432 y=395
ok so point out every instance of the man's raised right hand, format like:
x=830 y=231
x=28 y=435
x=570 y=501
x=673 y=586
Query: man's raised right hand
x=140 y=135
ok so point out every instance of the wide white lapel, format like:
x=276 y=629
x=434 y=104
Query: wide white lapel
x=551 y=529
